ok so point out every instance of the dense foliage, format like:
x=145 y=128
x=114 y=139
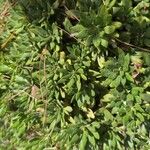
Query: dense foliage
x=75 y=74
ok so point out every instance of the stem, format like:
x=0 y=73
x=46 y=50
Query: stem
x=133 y=46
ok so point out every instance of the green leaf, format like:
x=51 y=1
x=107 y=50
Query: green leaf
x=20 y=79
x=116 y=82
x=139 y=108
x=70 y=83
x=136 y=91
x=117 y=24
x=91 y=140
x=74 y=139
x=5 y=69
x=83 y=142
x=108 y=115
x=90 y=113
x=104 y=43
x=140 y=116
x=81 y=71
x=127 y=117
x=126 y=62
x=83 y=77
x=93 y=131
x=67 y=24
x=77 y=28
x=101 y=61
x=96 y=124
x=129 y=77
x=88 y=40
x=62 y=93
x=112 y=3
x=83 y=34
x=78 y=83
x=130 y=97
x=96 y=135
x=109 y=29
x=107 y=98
x=68 y=109
x=146 y=57
x=92 y=93
x=56 y=76
x=145 y=97
x=96 y=41
x=123 y=81
x=64 y=79
x=87 y=63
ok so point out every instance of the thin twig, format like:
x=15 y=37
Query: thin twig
x=71 y=35
x=18 y=94
x=72 y=14
x=45 y=78
x=120 y=41
x=8 y=40
x=133 y=46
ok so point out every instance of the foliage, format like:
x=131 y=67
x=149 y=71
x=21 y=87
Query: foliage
x=75 y=74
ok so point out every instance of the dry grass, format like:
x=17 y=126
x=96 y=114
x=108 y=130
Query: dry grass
x=4 y=13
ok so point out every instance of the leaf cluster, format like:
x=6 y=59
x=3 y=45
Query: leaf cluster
x=73 y=75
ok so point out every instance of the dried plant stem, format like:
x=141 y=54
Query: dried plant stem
x=133 y=46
